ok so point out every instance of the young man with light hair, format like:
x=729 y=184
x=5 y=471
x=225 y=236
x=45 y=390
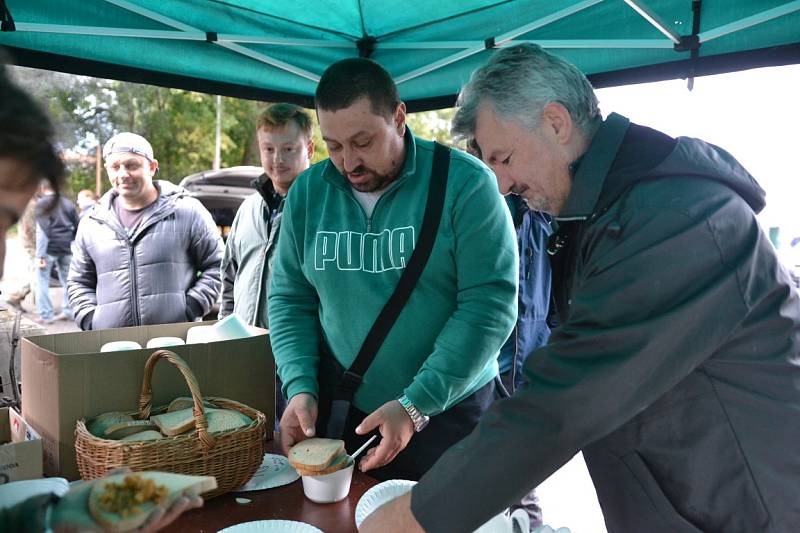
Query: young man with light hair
x=286 y=147
x=675 y=366
x=147 y=253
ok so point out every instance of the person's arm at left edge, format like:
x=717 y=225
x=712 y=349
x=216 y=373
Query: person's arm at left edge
x=70 y=513
x=72 y=214
x=206 y=252
x=41 y=246
x=486 y=261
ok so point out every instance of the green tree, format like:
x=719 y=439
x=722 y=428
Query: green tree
x=179 y=124
x=433 y=125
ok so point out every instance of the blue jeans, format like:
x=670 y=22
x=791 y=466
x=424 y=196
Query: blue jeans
x=44 y=307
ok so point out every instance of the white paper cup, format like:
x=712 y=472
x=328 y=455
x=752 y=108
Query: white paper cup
x=199 y=335
x=119 y=346
x=231 y=327
x=163 y=342
x=329 y=488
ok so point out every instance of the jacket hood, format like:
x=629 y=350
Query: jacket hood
x=622 y=154
x=694 y=157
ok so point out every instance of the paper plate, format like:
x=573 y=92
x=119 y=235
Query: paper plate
x=271 y=526
x=274 y=471
x=17 y=491
x=380 y=494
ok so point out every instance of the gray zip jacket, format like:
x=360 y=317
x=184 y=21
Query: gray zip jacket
x=247 y=263
x=166 y=271
x=675 y=367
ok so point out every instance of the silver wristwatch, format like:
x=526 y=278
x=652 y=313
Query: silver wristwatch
x=418 y=419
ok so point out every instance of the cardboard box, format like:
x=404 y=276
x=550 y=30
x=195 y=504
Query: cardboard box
x=66 y=378
x=27 y=328
x=20 y=448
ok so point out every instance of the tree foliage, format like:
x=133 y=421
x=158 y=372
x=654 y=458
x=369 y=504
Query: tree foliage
x=179 y=124
x=433 y=125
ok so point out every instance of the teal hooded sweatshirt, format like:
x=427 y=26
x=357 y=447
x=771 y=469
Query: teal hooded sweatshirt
x=335 y=269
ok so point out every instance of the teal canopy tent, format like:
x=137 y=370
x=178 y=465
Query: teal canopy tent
x=277 y=49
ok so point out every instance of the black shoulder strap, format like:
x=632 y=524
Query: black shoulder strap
x=408 y=279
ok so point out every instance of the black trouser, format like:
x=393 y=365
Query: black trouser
x=425 y=447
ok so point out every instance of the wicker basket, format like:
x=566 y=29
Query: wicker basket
x=230 y=456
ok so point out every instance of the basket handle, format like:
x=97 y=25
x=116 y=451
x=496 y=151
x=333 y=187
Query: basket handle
x=146 y=396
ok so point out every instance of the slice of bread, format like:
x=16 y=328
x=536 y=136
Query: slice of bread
x=179 y=422
x=123 y=429
x=127 y=514
x=99 y=424
x=225 y=420
x=343 y=461
x=174 y=423
x=184 y=402
x=143 y=436
x=315 y=454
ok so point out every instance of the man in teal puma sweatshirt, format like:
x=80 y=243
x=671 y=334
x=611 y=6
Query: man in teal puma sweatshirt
x=350 y=224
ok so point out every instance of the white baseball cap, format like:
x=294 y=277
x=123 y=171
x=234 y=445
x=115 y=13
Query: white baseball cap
x=128 y=142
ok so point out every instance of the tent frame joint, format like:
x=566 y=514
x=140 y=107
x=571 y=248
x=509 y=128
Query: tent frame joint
x=366 y=46
x=6 y=20
x=489 y=43
x=688 y=43
x=211 y=37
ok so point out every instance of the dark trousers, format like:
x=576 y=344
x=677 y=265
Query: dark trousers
x=425 y=447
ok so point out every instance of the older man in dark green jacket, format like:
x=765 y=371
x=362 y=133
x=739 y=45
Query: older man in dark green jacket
x=676 y=364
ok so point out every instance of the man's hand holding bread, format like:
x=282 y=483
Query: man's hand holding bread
x=298 y=420
x=391 y=420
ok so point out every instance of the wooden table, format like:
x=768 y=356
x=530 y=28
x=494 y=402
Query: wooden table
x=280 y=503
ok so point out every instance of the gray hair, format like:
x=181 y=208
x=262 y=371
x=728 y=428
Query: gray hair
x=518 y=82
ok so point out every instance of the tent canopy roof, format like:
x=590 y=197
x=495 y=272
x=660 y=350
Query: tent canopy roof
x=276 y=50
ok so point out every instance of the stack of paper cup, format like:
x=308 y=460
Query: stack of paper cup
x=163 y=342
x=199 y=335
x=119 y=346
x=230 y=327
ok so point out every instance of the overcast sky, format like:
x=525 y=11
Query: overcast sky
x=755 y=115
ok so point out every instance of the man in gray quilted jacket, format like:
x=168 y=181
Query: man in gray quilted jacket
x=148 y=253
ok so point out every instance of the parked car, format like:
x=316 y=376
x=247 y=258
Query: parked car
x=222 y=191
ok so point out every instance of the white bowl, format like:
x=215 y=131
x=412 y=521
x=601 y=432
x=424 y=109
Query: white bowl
x=163 y=342
x=330 y=487
x=380 y=494
x=231 y=327
x=271 y=526
x=119 y=346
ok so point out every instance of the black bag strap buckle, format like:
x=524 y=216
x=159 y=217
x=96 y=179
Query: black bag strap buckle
x=348 y=385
